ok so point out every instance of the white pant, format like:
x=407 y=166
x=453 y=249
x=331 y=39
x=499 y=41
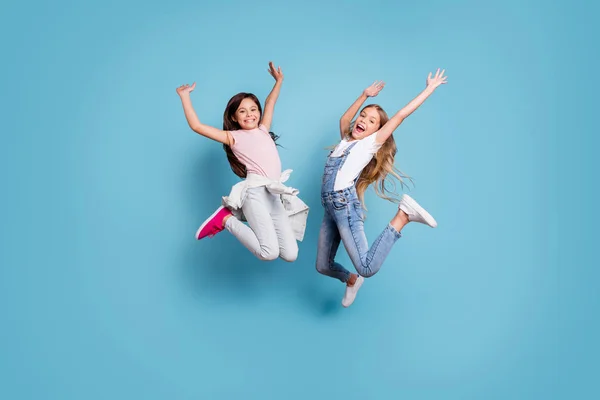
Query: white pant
x=268 y=234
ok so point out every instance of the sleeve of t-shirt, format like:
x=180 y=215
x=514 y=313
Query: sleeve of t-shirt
x=263 y=128
x=370 y=144
x=236 y=138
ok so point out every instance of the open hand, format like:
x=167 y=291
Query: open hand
x=374 y=89
x=275 y=72
x=437 y=80
x=185 y=89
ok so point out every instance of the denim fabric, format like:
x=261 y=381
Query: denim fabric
x=343 y=222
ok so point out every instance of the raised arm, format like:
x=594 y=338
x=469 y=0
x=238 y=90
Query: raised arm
x=432 y=83
x=192 y=119
x=267 y=117
x=346 y=119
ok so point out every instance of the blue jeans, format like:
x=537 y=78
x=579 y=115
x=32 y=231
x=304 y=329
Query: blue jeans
x=343 y=221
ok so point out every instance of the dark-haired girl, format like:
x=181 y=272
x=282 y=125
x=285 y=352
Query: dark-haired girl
x=259 y=199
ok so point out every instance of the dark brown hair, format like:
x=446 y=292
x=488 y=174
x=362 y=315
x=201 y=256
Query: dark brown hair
x=229 y=124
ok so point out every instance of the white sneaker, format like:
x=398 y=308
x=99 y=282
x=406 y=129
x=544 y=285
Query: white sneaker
x=415 y=212
x=351 y=291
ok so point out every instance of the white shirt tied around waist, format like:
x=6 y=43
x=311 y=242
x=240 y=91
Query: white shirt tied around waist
x=296 y=209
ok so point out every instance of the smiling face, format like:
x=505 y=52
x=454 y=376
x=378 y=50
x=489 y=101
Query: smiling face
x=367 y=123
x=247 y=114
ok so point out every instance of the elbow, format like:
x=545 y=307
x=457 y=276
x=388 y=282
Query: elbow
x=197 y=128
x=401 y=116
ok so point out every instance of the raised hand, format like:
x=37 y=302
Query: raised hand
x=185 y=89
x=275 y=72
x=374 y=89
x=437 y=80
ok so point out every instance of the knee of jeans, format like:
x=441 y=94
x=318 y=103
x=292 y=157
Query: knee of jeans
x=289 y=255
x=366 y=272
x=322 y=268
x=267 y=254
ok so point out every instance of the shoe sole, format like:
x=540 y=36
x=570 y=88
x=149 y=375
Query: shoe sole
x=421 y=211
x=207 y=221
x=359 y=282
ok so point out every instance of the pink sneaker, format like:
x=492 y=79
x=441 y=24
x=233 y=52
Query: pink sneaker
x=214 y=223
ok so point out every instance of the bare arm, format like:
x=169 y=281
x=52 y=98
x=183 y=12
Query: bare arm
x=346 y=119
x=193 y=121
x=432 y=83
x=267 y=118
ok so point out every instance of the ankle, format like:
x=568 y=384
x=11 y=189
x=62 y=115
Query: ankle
x=225 y=219
x=351 y=280
x=402 y=216
x=399 y=220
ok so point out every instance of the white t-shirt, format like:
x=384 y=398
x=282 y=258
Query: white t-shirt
x=358 y=158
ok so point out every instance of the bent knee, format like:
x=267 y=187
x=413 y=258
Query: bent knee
x=289 y=255
x=366 y=272
x=267 y=254
x=322 y=268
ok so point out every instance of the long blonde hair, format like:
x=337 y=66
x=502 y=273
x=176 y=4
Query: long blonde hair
x=381 y=169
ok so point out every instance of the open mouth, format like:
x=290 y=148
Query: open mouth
x=360 y=128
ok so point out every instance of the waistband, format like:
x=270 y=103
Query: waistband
x=349 y=191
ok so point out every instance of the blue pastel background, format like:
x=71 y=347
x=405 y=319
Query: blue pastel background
x=105 y=294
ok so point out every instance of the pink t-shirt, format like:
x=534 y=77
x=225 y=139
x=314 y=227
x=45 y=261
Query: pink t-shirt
x=257 y=151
